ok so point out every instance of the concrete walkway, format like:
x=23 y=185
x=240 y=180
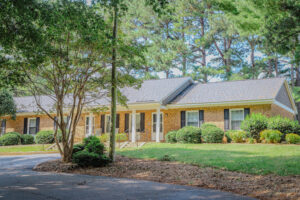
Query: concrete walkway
x=18 y=181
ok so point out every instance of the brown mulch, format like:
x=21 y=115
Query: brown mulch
x=258 y=186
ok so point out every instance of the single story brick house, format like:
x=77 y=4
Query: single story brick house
x=178 y=102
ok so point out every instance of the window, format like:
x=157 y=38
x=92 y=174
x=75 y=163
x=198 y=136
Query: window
x=31 y=126
x=236 y=118
x=89 y=125
x=192 y=118
x=160 y=123
x=138 y=122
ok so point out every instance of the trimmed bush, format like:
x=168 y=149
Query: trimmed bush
x=27 y=139
x=86 y=159
x=9 y=139
x=237 y=136
x=19 y=135
x=89 y=153
x=292 y=138
x=121 y=137
x=189 y=134
x=94 y=145
x=254 y=124
x=171 y=137
x=77 y=148
x=104 y=137
x=206 y=125
x=229 y=139
x=283 y=124
x=212 y=134
x=251 y=140
x=270 y=136
x=44 y=137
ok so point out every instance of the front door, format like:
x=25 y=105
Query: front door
x=161 y=136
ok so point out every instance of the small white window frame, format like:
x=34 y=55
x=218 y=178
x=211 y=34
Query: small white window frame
x=235 y=109
x=93 y=125
x=162 y=121
x=28 y=122
x=186 y=116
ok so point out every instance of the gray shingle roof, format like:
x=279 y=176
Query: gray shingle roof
x=151 y=91
x=230 y=91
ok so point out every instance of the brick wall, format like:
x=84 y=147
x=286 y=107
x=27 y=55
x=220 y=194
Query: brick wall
x=171 y=119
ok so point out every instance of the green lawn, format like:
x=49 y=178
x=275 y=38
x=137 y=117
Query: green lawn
x=247 y=158
x=24 y=148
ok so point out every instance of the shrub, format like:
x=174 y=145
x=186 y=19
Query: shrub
x=189 y=134
x=237 y=136
x=229 y=139
x=44 y=137
x=206 y=125
x=85 y=159
x=104 y=137
x=254 y=124
x=27 y=139
x=270 y=136
x=19 y=135
x=292 y=138
x=94 y=146
x=77 y=148
x=171 y=137
x=212 y=134
x=283 y=124
x=9 y=139
x=121 y=137
x=251 y=140
x=166 y=157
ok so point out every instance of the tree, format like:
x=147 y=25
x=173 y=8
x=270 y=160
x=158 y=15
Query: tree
x=7 y=104
x=73 y=72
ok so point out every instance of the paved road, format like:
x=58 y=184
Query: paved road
x=18 y=181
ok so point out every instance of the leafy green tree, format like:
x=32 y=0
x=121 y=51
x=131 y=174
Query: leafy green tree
x=7 y=104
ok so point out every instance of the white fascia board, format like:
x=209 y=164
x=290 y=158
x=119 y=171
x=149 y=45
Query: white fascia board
x=285 y=107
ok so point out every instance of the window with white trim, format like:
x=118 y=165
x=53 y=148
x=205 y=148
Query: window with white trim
x=107 y=124
x=192 y=118
x=89 y=120
x=31 y=126
x=236 y=118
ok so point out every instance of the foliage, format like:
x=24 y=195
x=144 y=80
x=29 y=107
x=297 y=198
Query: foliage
x=7 y=104
x=171 y=137
x=104 y=137
x=27 y=139
x=94 y=145
x=238 y=136
x=19 y=135
x=166 y=157
x=9 y=139
x=283 y=124
x=86 y=159
x=227 y=135
x=189 y=134
x=251 y=140
x=270 y=136
x=207 y=125
x=212 y=134
x=77 y=148
x=292 y=138
x=120 y=137
x=254 y=124
x=90 y=153
x=44 y=137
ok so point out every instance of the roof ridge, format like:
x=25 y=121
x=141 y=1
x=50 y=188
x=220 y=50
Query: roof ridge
x=160 y=79
x=241 y=80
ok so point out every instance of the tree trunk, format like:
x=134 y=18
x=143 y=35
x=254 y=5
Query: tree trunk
x=252 y=46
x=113 y=88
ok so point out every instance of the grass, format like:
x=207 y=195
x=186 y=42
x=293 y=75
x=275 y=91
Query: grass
x=24 y=148
x=248 y=158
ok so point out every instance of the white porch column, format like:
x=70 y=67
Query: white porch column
x=157 y=124
x=133 y=129
x=90 y=124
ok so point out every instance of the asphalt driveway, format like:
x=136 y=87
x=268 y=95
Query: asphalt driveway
x=18 y=181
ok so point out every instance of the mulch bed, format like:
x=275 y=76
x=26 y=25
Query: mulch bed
x=258 y=186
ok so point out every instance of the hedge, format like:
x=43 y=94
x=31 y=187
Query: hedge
x=44 y=137
x=211 y=134
x=254 y=124
x=270 y=136
x=171 y=137
x=189 y=134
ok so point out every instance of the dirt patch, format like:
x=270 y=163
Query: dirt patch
x=258 y=186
